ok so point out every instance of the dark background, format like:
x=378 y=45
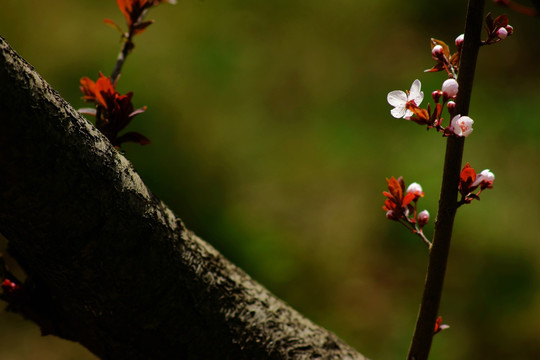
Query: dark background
x=271 y=138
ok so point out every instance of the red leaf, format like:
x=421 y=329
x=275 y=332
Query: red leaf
x=407 y=200
x=489 y=23
x=500 y=21
x=468 y=174
x=125 y=8
x=141 y=27
x=133 y=137
x=445 y=47
x=113 y=25
x=438 y=67
x=395 y=188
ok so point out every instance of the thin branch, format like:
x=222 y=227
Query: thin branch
x=423 y=334
x=127 y=47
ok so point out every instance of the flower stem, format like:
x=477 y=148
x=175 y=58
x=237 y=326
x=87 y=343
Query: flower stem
x=429 y=308
x=122 y=55
x=127 y=46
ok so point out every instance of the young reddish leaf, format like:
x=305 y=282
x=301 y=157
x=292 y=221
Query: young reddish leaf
x=489 y=23
x=113 y=25
x=402 y=184
x=133 y=137
x=88 y=88
x=445 y=47
x=454 y=59
x=438 y=67
x=139 y=28
x=500 y=21
x=126 y=8
x=468 y=174
x=395 y=187
x=408 y=198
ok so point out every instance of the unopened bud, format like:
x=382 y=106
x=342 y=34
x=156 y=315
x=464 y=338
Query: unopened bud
x=451 y=106
x=459 y=41
x=422 y=218
x=450 y=88
x=502 y=33
x=509 y=29
x=436 y=95
x=437 y=52
x=416 y=189
x=391 y=215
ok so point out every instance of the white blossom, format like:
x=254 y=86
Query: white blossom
x=399 y=99
x=459 y=40
x=450 y=88
x=422 y=218
x=485 y=176
x=502 y=33
x=415 y=188
x=461 y=125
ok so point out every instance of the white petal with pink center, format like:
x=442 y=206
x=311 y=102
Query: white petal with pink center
x=461 y=125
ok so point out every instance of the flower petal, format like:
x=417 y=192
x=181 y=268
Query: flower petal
x=398 y=112
x=397 y=98
x=415 y=93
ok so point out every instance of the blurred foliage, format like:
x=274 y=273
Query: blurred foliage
x=272 y=139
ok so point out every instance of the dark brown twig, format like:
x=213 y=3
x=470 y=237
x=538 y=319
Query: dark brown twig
x=429 y=308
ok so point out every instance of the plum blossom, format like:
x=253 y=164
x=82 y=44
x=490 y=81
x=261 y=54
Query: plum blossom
x=437 y=52
x=484 y=179
x=399 y=100
x=439 y=326
x=451 y=106
x=422 y=218
x=461 y=125
x=470 y=181
x=459 y=40
x=502 y=33
x=450 y=88
x=416 y=189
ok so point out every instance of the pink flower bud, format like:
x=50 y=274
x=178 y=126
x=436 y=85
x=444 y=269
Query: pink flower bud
x=450 y=88
x=437 y=52
x=509 y=29
x=451 y=106
x=484 y=179
x=459 y=41
x=502 y=33
x=436 y=95
x=391 y=215
x=415 y=189
x=461 y=125
x=422 y=218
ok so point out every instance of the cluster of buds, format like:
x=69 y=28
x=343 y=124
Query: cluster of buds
x=401 y=205
x=113 y=111
x=440 y=52
x=472 y=184
x=497 y=29
x=9 y=286
x=407 y=105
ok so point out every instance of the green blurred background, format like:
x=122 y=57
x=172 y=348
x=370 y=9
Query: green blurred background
x=272 y=138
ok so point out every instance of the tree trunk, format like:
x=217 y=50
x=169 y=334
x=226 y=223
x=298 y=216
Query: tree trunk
x=108 y=264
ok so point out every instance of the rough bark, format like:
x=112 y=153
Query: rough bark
x=108 y=264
